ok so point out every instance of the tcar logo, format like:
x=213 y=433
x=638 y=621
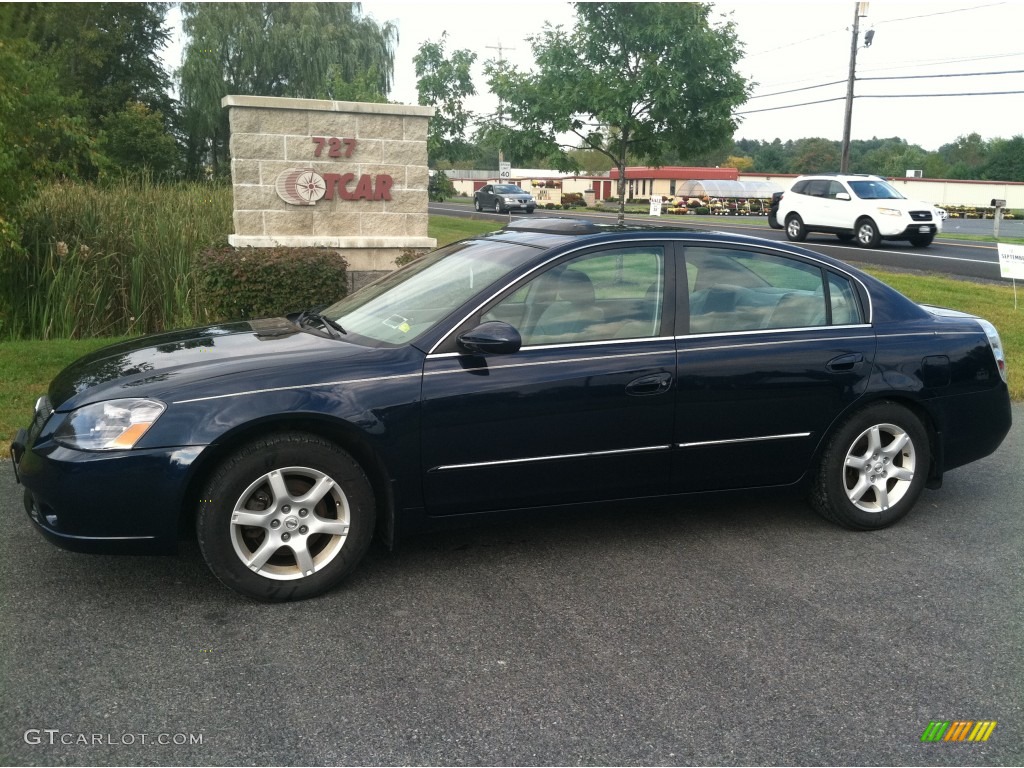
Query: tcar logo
x=301 y=186
x=304 y=186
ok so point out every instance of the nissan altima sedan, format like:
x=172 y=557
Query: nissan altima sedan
x=553 y=362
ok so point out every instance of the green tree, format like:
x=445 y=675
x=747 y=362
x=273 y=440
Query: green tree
x=104 y=54
x=444 y=82
x=41 y=138
x=815 y=156
x=1005 y=160
x=135 y=138
x=303 y=50
x=631 y=81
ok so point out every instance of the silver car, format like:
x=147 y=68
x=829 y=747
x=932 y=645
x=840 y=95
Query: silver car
x=503 y=198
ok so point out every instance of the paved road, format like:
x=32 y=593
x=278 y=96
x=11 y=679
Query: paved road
x=963 y=258
x=743 y=631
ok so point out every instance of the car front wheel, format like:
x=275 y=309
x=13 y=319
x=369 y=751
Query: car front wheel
x=795 y=229
x=498 y=207
x=873 y=468
x=866 y=233
x=285 y=518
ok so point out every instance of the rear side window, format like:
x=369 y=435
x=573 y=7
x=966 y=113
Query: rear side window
x=735 y=290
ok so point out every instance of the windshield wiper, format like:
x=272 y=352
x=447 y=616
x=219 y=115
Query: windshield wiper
x=311 y=317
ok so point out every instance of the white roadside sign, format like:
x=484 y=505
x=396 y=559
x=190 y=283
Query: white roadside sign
x=655 y=205
x=1011 y=261
x=504 y=171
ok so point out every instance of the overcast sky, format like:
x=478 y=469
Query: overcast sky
x=790 y=46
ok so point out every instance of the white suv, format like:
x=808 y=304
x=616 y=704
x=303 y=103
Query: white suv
x=857 y=206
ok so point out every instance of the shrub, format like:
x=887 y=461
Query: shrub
x=573 y=200
x=247 y=283
x=703 y=210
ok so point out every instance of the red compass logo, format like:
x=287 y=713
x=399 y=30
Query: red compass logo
x=301 y=186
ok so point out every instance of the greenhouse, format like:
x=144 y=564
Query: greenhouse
x=729 y=190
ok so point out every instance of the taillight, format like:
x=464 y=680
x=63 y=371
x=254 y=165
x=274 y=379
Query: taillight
x=997 y=346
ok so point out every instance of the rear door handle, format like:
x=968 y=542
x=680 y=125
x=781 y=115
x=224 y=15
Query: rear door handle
x=844 y=362
x=651 y=384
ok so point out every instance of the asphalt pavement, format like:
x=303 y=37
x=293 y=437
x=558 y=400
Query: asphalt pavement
x=736 y=631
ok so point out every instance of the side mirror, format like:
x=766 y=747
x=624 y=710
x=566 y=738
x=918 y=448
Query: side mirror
x=491 y=338
x=842 y=195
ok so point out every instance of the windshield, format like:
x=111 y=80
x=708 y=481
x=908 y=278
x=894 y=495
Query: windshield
x=508 y=189
x=875 y=189
x=399 y=307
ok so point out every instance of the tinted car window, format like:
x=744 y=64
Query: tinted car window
x=817 y=188
x=736 y=290
x=614 y=294
x=843 y=298
x=800 y=187
x=874 y=189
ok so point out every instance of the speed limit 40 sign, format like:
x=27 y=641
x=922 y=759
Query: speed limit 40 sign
x=505 y=170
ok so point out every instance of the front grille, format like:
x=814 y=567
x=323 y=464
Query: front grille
x=921 y=215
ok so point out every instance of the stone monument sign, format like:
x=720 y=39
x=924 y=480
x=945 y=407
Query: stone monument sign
x=334 y=174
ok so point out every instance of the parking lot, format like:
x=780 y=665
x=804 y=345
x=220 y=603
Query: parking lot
x=735 y=631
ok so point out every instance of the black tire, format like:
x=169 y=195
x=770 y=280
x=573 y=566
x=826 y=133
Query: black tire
x=866 y=232
x=499 y=207
x=921 y=241
x=265 y=482
x=795 y=229
x=476 y=204
x=529 y=210
x=844 y=237
x=773 y=220
x=873 y=469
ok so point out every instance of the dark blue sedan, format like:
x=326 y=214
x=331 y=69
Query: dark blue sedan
x=553 y=362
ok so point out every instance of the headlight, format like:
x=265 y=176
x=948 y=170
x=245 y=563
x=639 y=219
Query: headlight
x=890 y=211
x=110 y=426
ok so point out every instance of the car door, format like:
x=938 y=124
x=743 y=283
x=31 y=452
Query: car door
x=835 y=212
x=485 y=196
x=582 y=412
x=771 y=349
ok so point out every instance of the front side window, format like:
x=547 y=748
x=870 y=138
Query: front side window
x=736 y=290
x=612 y=294
x=401 y=306
x=507 y=189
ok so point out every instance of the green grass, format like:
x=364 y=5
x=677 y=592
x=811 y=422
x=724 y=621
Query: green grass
x=26 y=369
x=448 y=229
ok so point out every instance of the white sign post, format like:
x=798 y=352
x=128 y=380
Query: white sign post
x=1011 y=265
x=504 y=171
x=655 y=205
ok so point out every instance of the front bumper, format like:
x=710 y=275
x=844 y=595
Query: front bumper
x=907 y=231
x=115 y=502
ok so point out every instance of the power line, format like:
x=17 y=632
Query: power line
x=880 y=96
x=892 y=77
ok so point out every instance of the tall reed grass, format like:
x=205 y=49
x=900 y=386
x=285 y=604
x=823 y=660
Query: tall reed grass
x=109 y=261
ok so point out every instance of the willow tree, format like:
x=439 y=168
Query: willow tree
x=300 y=50
x=630 y=80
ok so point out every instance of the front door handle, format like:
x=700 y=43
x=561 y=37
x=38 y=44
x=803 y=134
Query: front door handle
x=651 y=384
x=844 y=362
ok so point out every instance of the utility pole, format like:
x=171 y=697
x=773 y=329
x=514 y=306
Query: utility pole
x=501 y=60
x=859 y=9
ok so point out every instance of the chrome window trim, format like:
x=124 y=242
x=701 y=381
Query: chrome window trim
x=743 y=440
x=561 y=361
x=763 y=343
x=555 y=457
x=801 y=329
x=570 y=345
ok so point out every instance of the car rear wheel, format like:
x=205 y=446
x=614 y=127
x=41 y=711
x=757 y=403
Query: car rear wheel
x=286 y=517
x=922 y=241
x=867 y=234
x=476 y=204
x=873 y=468
x=795 y=229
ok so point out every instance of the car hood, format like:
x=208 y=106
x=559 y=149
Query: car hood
x=152 y=366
